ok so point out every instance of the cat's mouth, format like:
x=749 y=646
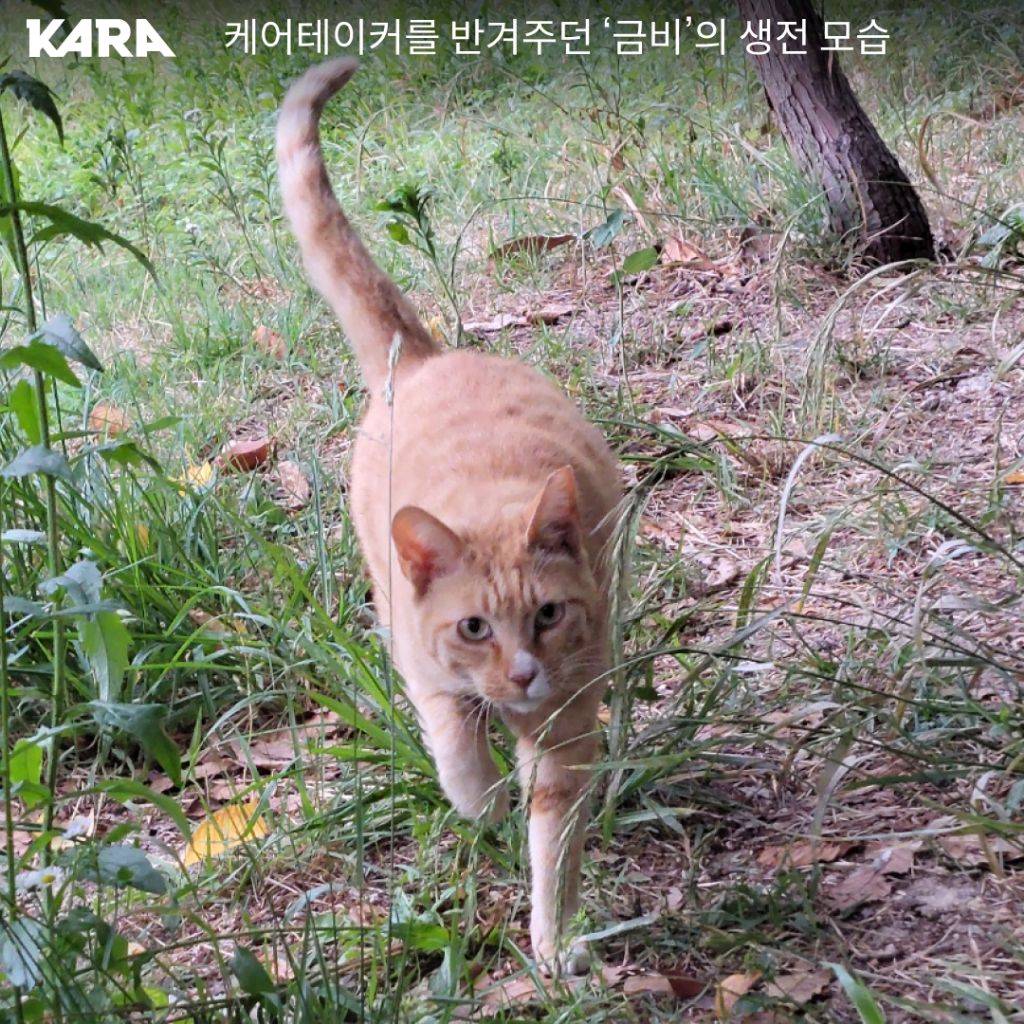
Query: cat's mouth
x=523 y=706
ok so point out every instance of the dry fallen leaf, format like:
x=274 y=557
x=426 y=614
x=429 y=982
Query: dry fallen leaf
x=245 y=454
x=724 y=572
x=680 y=986
x=667 y=534
x=755 y=244
x=211 y=764
x=799 y=987
x=969 y=849
x=517 y=991
x=530 y=244
x=223 y=830
x=731 y=990
x=281 y=747
x=106 y=418
x=294 y=486
x=678 y=250
x=801 y=854
x=269 y=341
x=865 y=884
x=497 y=323
x=550 y=314
x=713 y=429
x=895 y=858
x=642 y=984
x=216 y=623
x=1016 y=477
x=635 y=981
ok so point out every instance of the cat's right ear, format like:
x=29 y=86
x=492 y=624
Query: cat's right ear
x=426 y=547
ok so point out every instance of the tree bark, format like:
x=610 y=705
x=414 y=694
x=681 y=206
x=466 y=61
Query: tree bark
x=833 y=140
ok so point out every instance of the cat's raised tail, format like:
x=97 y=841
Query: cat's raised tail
x=369 y=305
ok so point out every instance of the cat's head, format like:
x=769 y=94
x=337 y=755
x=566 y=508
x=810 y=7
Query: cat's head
x=511 y=613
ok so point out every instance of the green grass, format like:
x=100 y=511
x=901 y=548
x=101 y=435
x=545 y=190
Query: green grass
x=855 y=680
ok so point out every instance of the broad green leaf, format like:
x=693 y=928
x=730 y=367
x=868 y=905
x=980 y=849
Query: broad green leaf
x=639 y=261
x=22 y=401
x=14 y=605
x=38 y=459
x=26 y=766
x=126 y=790
x=22 y=952
x=60 y=332
x=423 y=935
x=33 y=92
x=42 y=356
x=161 y=424
x=105 y=642
x=26 y=762
x=23 y=537
x=128 y=865
x=64 y=223
x=860 y=995
x=81 y=581
x=127 y=453
x=6 y=222
x=603 y=234
x=145 y=722
x=399 y=232
x=251 y=974
x=55 y=8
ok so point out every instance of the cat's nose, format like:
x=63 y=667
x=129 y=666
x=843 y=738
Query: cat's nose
x=523 y=669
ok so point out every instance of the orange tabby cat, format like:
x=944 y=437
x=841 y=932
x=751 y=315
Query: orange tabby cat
x=484 y=504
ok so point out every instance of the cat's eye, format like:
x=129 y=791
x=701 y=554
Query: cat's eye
x=549 y=614
x=474 y=629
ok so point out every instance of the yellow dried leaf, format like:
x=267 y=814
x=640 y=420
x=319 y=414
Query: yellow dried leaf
x=195 y=477
x=729 y=991
x=436 y=327
x=1016 y=477
x=223 y=830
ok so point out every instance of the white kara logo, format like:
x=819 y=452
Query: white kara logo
x=102 y=37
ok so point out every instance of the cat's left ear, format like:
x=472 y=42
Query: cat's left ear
x=555 y=517
x=426 y=547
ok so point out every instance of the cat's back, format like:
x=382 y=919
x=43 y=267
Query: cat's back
x=474 y=408
x=473 y=429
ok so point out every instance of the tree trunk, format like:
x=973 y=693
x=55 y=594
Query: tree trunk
x=832 y=139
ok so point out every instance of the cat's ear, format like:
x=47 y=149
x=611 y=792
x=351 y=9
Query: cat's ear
x=426 y=547
x=555 y=516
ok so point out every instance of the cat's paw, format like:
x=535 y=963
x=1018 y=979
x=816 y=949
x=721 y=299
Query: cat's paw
x=487 y=805
x=566 y=962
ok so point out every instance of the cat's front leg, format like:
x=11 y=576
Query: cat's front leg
x=456 y=733
x=557 y=780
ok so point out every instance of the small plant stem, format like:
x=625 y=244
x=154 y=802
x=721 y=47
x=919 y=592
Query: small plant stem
x=52 y=523
x=5 y=739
